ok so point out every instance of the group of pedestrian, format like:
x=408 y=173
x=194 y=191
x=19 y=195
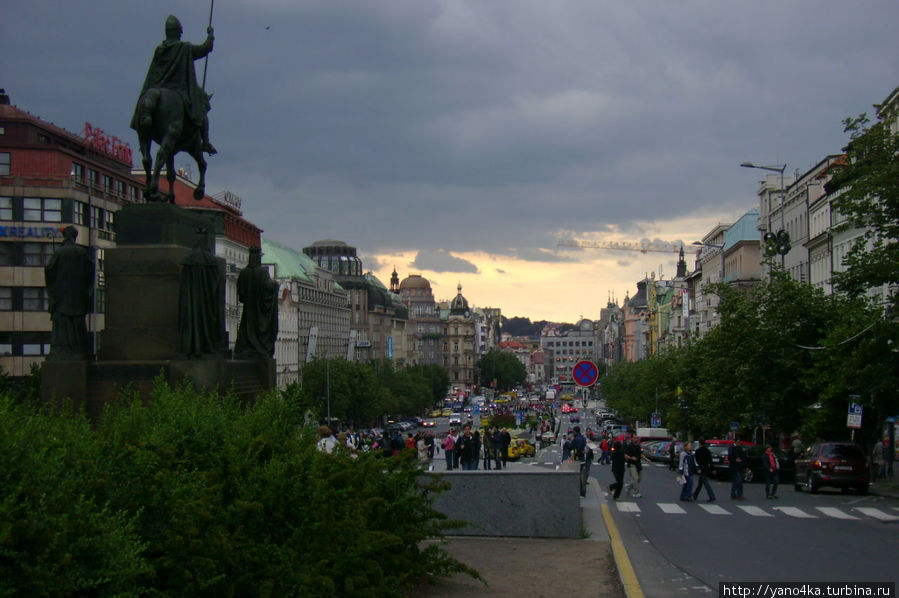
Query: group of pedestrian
x=464 y=450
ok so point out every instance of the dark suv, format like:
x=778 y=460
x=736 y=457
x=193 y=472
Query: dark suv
x=837 y=464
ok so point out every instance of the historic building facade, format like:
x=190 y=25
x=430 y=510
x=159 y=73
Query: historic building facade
x=50 y=179
x=378 y=317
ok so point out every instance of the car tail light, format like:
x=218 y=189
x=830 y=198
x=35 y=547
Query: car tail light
x=817 y=464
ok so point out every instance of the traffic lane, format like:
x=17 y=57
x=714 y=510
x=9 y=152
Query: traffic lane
x=740 y=547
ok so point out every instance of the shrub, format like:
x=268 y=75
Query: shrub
x=193 y=494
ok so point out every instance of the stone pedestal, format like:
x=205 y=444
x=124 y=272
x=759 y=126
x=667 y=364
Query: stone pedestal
x=140 y=339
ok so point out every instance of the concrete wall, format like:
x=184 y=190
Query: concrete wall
x=534 y=504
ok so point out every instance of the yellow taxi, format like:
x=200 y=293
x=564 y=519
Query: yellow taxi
x=519 y=448
x=446 y=412
x=436 y=413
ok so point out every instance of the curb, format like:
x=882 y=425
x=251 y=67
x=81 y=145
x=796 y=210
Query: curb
x=626 y=572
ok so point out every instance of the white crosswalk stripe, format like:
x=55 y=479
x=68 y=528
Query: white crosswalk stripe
x=716 y=510
x=835 y=513
x=755 y=511
x=671 y=508
x=795 y=512
x=877 y=514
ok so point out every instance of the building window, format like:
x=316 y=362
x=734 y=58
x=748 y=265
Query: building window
x=37 y=254
x=95 y=217
x=5 y=208
x=79 y=213
x=34 y=299
x=4 y=163
x=77 y=172
x=6 y=254
x=109 y=218
x=42 y=210
x=5 y=298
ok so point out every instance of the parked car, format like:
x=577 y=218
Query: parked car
x=837 y=464
x=414 y=421
x=721 y=464
x=650 y=449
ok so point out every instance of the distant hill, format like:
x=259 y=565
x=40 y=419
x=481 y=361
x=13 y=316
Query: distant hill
x=524 y=327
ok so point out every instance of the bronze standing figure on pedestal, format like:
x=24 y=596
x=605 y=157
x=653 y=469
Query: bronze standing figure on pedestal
x=69 y=277
x=258 y=327
x=172 y=111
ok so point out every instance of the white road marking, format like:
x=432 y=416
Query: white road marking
x=795 y=512
x=755 y=511
x=835 y=513
x=671 y=508
x=876 y=513
x=716 y=509
x=628 y=507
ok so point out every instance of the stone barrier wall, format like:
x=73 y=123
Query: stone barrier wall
x=532 y=504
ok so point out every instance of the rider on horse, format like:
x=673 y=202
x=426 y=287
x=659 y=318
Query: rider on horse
x=172 y=68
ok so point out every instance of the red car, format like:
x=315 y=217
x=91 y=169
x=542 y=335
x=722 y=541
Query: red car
x=837 y=464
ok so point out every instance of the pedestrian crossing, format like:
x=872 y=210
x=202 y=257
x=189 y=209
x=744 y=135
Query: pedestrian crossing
x=856 y=513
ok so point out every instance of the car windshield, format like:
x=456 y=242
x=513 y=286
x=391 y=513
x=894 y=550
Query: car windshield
x=841 y=451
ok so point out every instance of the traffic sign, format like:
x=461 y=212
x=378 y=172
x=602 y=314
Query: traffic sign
x=585 y=373
x=656 y=420
x=854 y=419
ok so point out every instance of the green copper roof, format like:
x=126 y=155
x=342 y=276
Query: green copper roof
x=289 y=263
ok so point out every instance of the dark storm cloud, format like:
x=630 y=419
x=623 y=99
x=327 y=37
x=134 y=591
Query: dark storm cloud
x=391 y=123
x=442 y=261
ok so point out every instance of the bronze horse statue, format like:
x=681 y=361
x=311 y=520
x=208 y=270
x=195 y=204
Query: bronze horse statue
x=171 y=110
x=162 y=117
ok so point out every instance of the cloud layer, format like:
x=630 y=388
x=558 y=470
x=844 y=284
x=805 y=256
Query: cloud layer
x=470 y=136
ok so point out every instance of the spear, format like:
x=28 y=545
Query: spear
x=206 y=59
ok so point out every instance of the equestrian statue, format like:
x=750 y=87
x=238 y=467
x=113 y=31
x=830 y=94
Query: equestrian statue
x=172 y=111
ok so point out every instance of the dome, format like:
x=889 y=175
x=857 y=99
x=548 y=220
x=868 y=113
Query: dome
x=459 y=305
x=415 y=281
x=585 y=325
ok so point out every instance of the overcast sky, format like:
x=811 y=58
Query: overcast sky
x=460 y=140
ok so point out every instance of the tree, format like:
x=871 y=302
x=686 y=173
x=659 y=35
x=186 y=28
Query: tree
x=866 y=185
x=502 y=367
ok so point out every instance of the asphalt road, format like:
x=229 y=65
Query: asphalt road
x=685 y=549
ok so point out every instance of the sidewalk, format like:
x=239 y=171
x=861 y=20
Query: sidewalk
x=536 y=567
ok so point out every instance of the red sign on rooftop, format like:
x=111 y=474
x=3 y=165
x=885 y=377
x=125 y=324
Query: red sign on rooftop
x=96 y=139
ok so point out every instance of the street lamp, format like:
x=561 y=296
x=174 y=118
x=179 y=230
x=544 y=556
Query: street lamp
x=782 y=238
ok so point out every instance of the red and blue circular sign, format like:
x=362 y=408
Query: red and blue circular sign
x=585 y=373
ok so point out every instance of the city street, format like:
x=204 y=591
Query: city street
x=684 y=548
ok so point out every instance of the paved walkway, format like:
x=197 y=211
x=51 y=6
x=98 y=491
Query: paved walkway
x=536 y=567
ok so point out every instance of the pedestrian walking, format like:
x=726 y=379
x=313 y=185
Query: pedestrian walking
x=672 y=455
x=687 y=468
x=449 y=444
x=605 y=455
x=497 y=447
x=703 y=458
x=616 y=456
x=737 y=460
x=771 y=465
x=488 y=449
x=507 y=440
x=633 y=454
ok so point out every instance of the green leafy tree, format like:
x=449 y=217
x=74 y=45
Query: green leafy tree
x=436 y=377
x=501 y=366
x=866 y=186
